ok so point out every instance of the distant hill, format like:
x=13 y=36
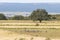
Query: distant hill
x=29 y=7
x=9 y=14
x=25 y=9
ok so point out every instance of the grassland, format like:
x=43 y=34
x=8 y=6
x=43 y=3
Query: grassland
x=28 y=24
x=42 y=32
x=45 y=29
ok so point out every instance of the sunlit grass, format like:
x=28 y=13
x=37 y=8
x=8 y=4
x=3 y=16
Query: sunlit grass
x=43 y=32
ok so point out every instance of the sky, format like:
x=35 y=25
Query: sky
x=53 y=6
x=31 y=1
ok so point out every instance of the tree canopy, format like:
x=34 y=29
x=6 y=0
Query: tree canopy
x=39 y=14
x=18 y=17
x=2 y=17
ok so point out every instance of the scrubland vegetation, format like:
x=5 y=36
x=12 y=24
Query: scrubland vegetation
x=38 y=24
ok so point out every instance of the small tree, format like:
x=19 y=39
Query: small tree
x=2 y=17
x=39 y=14
x=54 y=18
x=49 y=17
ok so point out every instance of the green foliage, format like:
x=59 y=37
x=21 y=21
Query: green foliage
x=18 y=17
x=49 y=17
x=53 y=17
x=56 y=17
x=39 y=14
x=2 y=17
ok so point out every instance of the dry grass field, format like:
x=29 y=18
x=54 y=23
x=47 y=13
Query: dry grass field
x=17 y=34
x=16 y=29
x=8 y=35
x=28 y=24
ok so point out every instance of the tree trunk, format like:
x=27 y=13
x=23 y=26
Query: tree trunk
x=40 y=21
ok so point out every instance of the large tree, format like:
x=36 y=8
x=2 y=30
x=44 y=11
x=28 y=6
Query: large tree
x=39 y=14
x=2 y=17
